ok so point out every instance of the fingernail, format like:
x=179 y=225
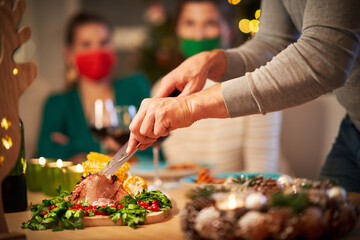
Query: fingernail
x=127 y=150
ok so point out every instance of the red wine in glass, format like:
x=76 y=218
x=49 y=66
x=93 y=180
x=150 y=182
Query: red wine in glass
x=100 y=133
x=120 y=135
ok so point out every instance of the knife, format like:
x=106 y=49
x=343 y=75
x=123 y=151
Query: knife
x=121 y=156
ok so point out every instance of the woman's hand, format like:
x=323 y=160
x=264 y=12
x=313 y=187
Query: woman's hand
x=191 y=75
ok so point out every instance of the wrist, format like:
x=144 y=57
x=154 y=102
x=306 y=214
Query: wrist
x=208 y=103
x=216 y=64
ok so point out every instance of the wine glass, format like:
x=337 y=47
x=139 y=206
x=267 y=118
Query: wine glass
x=157 y=181
x=111 y=123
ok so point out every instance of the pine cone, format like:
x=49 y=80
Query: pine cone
x=203 y=202
x=317 y=197
x=282 y=223
x=187 y=220
x=312 y=225
x=340 y=221
x=211 y=225
x=252 y=226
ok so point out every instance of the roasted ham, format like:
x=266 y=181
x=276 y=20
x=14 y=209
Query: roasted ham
x=99 y=190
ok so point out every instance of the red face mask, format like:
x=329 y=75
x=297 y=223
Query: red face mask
x=95 y=65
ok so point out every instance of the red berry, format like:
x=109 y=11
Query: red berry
x=154 y=202
x=86 y=213
x=53 y=206
x=44 y=212
x=91 y=206
x=149 y=208
x=78 y=206
x=86 y=208
x=96 y=212
x=155 y=208
x=120 y=206
x=144 y=204
x=48 y=208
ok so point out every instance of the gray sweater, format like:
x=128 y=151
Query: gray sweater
x=305 y=48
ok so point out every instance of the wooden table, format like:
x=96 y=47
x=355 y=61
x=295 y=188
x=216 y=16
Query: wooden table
x=168 y=229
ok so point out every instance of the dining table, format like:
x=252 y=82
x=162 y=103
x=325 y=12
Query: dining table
x=170 y=228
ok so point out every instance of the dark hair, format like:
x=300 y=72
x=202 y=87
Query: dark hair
x=79 y=19
x=225 y=9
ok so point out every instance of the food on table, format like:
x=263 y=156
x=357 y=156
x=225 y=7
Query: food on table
x=134 y=185
x=205 y=176
x=97 y=161
x=99 y=190
x=267 y=208
x=96 y=198
x=183 y=166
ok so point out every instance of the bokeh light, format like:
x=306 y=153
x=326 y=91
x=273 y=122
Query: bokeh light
x=244 y=25
x=254 y=25
x=7 y=142
x=257 y=14
x=15 y=71
x=234 y=2
x=59 y=163
x=5 y=123
x=2 y=159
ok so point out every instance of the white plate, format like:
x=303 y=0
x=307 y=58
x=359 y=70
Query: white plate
x=146 y=169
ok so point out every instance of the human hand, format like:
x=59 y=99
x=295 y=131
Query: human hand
x=110 y=144
x=156 y=118
x=59 y=138
x=190 y=76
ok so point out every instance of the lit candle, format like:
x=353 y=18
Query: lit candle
x=229 y=201
x=52 y=176
x=71 y=176
x=33 y=173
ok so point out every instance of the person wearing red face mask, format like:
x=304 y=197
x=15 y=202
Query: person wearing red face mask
x=67 y=116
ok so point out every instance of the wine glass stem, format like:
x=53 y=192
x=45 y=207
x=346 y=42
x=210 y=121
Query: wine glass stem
x=157 y=180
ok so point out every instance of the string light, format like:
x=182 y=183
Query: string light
x=244 y=25
x=257 y=14
x=7 y=142
x=5 y=123
x=254 y=25
x=15 y=71
x=234 y=2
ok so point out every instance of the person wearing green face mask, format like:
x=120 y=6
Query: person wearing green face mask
x=249 y=143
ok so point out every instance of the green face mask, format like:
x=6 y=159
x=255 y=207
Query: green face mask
x=191 y=47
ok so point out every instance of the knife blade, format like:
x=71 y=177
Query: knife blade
x=118 y=160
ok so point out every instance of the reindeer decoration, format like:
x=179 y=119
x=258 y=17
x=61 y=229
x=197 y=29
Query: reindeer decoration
x=14 y=79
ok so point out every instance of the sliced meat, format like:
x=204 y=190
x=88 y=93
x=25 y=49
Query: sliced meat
x=98 y=189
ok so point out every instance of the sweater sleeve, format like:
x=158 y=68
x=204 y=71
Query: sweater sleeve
x=318 y=62
x=53 y=121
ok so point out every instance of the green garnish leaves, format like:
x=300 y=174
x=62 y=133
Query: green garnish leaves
x=59 y=214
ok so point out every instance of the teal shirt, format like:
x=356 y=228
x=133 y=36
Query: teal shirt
x=64 y=113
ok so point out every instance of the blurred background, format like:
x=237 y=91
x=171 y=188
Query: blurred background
x=143 y=41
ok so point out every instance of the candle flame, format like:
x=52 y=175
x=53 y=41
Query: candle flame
x=232 y=203
x=59 y=163
x=42 y=161
x=79 y=168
